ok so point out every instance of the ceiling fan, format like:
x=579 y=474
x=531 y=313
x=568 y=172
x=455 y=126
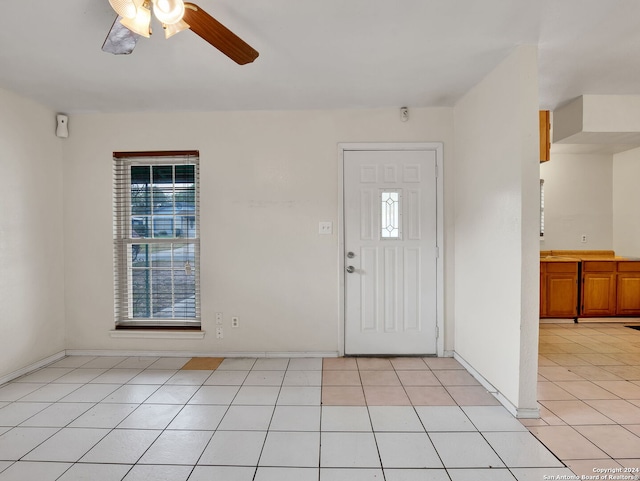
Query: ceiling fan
x=134 y=21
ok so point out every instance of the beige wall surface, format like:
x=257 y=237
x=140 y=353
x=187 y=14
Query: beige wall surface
x=267 y=179
x=31 y=218
x=496 y=243
x=578 y=197
x=626 y=202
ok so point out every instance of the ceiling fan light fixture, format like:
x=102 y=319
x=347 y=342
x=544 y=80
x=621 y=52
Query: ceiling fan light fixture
x=141 y=23
x=124 y=8
x=125 y=31
x=168 y=12
x=173 y=28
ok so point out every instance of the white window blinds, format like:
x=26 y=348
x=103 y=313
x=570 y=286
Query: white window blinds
x=156 y=231
x=541 y=208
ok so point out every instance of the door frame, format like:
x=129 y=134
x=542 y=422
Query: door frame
x=436 y=147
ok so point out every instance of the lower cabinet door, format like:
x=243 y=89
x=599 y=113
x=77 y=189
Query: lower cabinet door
x=561 y=298
x=628 y=294
x=599 y=294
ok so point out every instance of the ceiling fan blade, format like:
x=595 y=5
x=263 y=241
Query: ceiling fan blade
x=218 y=35
x=120 y=40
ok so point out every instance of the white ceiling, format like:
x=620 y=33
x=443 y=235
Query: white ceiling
x=319 y=54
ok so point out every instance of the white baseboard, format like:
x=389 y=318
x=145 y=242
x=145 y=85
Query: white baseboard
x=524 y=413
x=32 y=367
x=528 y=413
x=115 y=352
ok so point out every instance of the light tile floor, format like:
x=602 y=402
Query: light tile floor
x=404 y=419
x=589 y=395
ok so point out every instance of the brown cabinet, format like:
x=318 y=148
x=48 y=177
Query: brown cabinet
x=543 y=289
x=628 y=289
x=545 y=136
x=559 y=289
x=609 y=286
x=598 y=288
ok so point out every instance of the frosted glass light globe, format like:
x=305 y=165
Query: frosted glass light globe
x=124 y=8
x=168 y=11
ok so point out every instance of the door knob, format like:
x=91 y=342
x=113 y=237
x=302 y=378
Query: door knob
x=350 y=269
x=350 y=255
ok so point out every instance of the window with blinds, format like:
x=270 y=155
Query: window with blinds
x=156 y=239
x=541 y=208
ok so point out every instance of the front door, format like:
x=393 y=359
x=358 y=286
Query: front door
x=390 y=234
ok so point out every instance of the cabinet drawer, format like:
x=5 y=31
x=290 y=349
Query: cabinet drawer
x=628 y=266
x=570 y=267
x=598 y=266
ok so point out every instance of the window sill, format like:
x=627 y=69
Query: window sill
x=155 y=334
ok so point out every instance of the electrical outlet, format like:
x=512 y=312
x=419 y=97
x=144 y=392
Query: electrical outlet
x=219 y=333
x=583 y=238
x=235 y=321
x=325 y=228
x=219 y=318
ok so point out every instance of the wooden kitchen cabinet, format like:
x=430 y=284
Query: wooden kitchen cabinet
x=598 y=288
x=559 y=289
x=609 y=286
x=545 y=135
x=628 y=289
x=543 y=289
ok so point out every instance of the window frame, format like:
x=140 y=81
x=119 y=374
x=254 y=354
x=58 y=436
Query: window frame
x=124 y=239
x=397 y=215
x=542 y=209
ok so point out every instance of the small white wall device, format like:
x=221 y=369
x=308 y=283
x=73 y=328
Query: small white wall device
x=62 y=130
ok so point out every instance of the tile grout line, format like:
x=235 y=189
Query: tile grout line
x=422 y=423
x=373 y=432
x=173 y=419
x=255 y=472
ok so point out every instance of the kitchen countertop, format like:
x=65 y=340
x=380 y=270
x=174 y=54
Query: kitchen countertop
x=559 y=259
x=604 y=258
x=583 y=258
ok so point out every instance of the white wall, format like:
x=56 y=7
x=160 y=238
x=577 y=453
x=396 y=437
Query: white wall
x=578 y=195
x=267 y=179
x=32 y=279
x=626 y=199
x=496 y=237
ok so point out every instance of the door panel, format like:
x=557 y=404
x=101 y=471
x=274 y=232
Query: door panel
x=412 y=289
x=599 y=294
x=391 y=227
x=628 y=294
x=563 y=289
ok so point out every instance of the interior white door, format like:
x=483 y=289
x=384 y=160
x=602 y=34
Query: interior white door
x=390 y=222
